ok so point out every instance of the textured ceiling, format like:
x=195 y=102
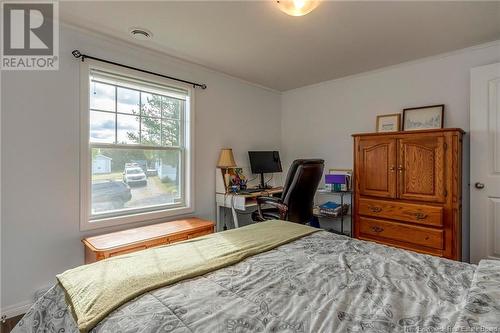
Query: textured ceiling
x=254 y=41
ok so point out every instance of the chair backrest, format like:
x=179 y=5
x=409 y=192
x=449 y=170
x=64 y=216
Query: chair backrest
x=300 y=187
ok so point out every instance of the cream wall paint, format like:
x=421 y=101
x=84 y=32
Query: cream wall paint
x=40 y=157
x=318 y=120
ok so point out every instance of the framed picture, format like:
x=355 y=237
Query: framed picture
x=389 y=122
x=425 y=117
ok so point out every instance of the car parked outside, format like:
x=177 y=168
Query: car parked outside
x=110 y=194
x=134 y=176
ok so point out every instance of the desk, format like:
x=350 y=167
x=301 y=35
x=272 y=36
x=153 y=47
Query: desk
x=240 y=202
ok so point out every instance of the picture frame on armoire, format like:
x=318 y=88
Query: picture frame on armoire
x=389 y=122
x=424 y=117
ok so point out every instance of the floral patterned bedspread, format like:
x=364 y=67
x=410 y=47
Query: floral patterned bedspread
x=319 y=283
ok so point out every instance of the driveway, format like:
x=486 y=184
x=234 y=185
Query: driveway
x=153 y=193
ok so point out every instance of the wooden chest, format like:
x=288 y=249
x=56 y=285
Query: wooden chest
x=131 y=240
x=408 y=190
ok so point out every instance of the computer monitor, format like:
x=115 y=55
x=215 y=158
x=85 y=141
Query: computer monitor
x=264 y=162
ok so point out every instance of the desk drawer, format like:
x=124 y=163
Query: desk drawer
x=421 y=214
x=401 y=232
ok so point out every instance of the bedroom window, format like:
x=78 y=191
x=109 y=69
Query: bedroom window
x=136 y=147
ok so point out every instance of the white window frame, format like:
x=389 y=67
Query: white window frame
x=85 y=156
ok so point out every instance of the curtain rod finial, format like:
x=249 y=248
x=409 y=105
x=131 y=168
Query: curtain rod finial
x=76 y=54
x=203 y=86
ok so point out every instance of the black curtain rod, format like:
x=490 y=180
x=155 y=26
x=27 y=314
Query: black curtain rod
x=77 y=54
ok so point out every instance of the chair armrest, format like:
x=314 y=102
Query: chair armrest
x=274 y=202
x=267 y=200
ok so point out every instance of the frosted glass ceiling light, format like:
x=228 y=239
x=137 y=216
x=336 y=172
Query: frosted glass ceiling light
x=297 y=7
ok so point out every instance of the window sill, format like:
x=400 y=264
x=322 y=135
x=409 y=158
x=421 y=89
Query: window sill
x=86 y=225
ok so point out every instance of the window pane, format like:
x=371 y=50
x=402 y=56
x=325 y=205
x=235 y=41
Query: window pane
x=170 y=132
x=151 y=131
x=151 y=105
x=130 y=179
x=128 y=101
x=102 y=127
x=128 y=129
x=171 y=107
x=102 y=96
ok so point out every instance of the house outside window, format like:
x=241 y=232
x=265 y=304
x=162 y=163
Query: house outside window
x=136 y=147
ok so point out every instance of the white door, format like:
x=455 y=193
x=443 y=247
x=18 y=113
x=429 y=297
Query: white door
x=485 y=163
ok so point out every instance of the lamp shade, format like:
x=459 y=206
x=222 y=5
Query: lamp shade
x=226 y=158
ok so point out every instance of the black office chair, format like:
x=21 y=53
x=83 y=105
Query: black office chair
x=297 y=200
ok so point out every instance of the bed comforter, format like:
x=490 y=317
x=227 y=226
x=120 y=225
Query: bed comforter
x=319 y=283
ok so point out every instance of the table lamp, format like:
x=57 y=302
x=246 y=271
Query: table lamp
x=226 y=160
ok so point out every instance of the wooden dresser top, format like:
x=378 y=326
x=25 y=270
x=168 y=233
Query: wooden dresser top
x=150 y=232
x=443 y=130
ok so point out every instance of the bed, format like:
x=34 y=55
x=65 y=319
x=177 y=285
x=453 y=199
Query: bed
x=321 y=282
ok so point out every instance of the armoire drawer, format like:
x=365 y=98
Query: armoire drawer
x=422 y=214
x=401 y=232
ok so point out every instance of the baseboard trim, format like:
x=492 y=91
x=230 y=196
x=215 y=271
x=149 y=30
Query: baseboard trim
x=16 y=309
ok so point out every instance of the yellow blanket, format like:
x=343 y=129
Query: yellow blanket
x=95 y=290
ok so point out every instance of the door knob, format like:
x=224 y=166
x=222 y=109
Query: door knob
x=479 y=185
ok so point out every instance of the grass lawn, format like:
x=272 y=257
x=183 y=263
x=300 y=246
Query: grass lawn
x=166 y=187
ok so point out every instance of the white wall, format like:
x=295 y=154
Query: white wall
x=318 y=120
x=40 y=140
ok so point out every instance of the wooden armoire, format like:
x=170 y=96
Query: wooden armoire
x=408 y=190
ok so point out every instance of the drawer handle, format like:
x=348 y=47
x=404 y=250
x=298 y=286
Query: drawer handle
x=420 y=216
x=377 y=229
x=375 y=209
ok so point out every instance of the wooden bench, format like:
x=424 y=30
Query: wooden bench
x=137 y=239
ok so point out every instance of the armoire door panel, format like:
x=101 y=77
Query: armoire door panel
x=377 y=165
x=421 y=168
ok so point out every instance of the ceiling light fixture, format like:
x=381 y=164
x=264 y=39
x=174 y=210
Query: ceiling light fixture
x=140 y=33
x=297 y=7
